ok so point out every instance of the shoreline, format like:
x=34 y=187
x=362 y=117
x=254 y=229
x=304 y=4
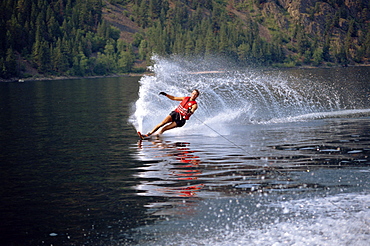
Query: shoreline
x=46 y=78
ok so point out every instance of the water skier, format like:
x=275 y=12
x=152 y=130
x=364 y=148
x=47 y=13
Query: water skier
x=179 y=116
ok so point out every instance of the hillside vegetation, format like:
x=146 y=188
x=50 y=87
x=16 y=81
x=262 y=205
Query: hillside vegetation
x=101 y=37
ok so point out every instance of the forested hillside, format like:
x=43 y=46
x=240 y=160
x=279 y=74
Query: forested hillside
x=60 y=37
x=100 y=37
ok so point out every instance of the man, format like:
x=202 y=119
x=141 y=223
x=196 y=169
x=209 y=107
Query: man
x=179 y=116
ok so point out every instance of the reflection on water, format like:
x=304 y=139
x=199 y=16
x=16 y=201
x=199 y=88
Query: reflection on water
x=288 y=161
x=228 y=194
x=180 y=167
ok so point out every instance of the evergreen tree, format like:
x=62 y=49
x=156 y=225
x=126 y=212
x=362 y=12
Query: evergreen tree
x=143 y=50
x=142 y=14
x=326 y=50
x=126 y=60
x=44 y=57
x=224 y=39
x=60 y=60
x=210 y=47
x=10 y=68
x=189 y=44
x=109 y=58
x=71 y=37
x=318 y=56
x=243 y=52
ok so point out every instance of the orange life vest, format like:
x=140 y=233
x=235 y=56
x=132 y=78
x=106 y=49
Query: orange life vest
x=184 y=107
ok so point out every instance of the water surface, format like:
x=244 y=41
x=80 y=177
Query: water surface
x=270 y=157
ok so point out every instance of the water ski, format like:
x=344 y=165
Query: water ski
x=143 y=137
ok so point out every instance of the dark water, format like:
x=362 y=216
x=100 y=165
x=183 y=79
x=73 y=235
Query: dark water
x=258 y=170
x=66 y=165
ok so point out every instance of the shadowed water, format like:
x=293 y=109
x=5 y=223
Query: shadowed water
x=270 y=158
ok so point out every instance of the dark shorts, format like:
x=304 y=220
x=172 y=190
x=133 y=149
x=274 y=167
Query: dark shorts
x=176 y=117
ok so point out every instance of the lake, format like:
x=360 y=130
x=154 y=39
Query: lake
x=271 y=157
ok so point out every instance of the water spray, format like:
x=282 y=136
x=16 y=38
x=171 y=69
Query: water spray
x=248 y=97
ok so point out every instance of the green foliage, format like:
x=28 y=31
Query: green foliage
x=59 y=37
x=70 y=37
x=209 y=29
x=318 y=57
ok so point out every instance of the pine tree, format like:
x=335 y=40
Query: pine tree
x=189 y=44
x=126 y=60
x=109 y=58
x=143 y=50
x=317 y=56
x=10 y=68
x=210 y=42
x=44 y=57
x=142 y=14
x=243 y=52
x=326 y=50
x=224 y=39
x=59 y=59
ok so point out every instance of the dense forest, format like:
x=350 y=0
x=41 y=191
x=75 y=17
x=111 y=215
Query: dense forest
x=101 y=37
